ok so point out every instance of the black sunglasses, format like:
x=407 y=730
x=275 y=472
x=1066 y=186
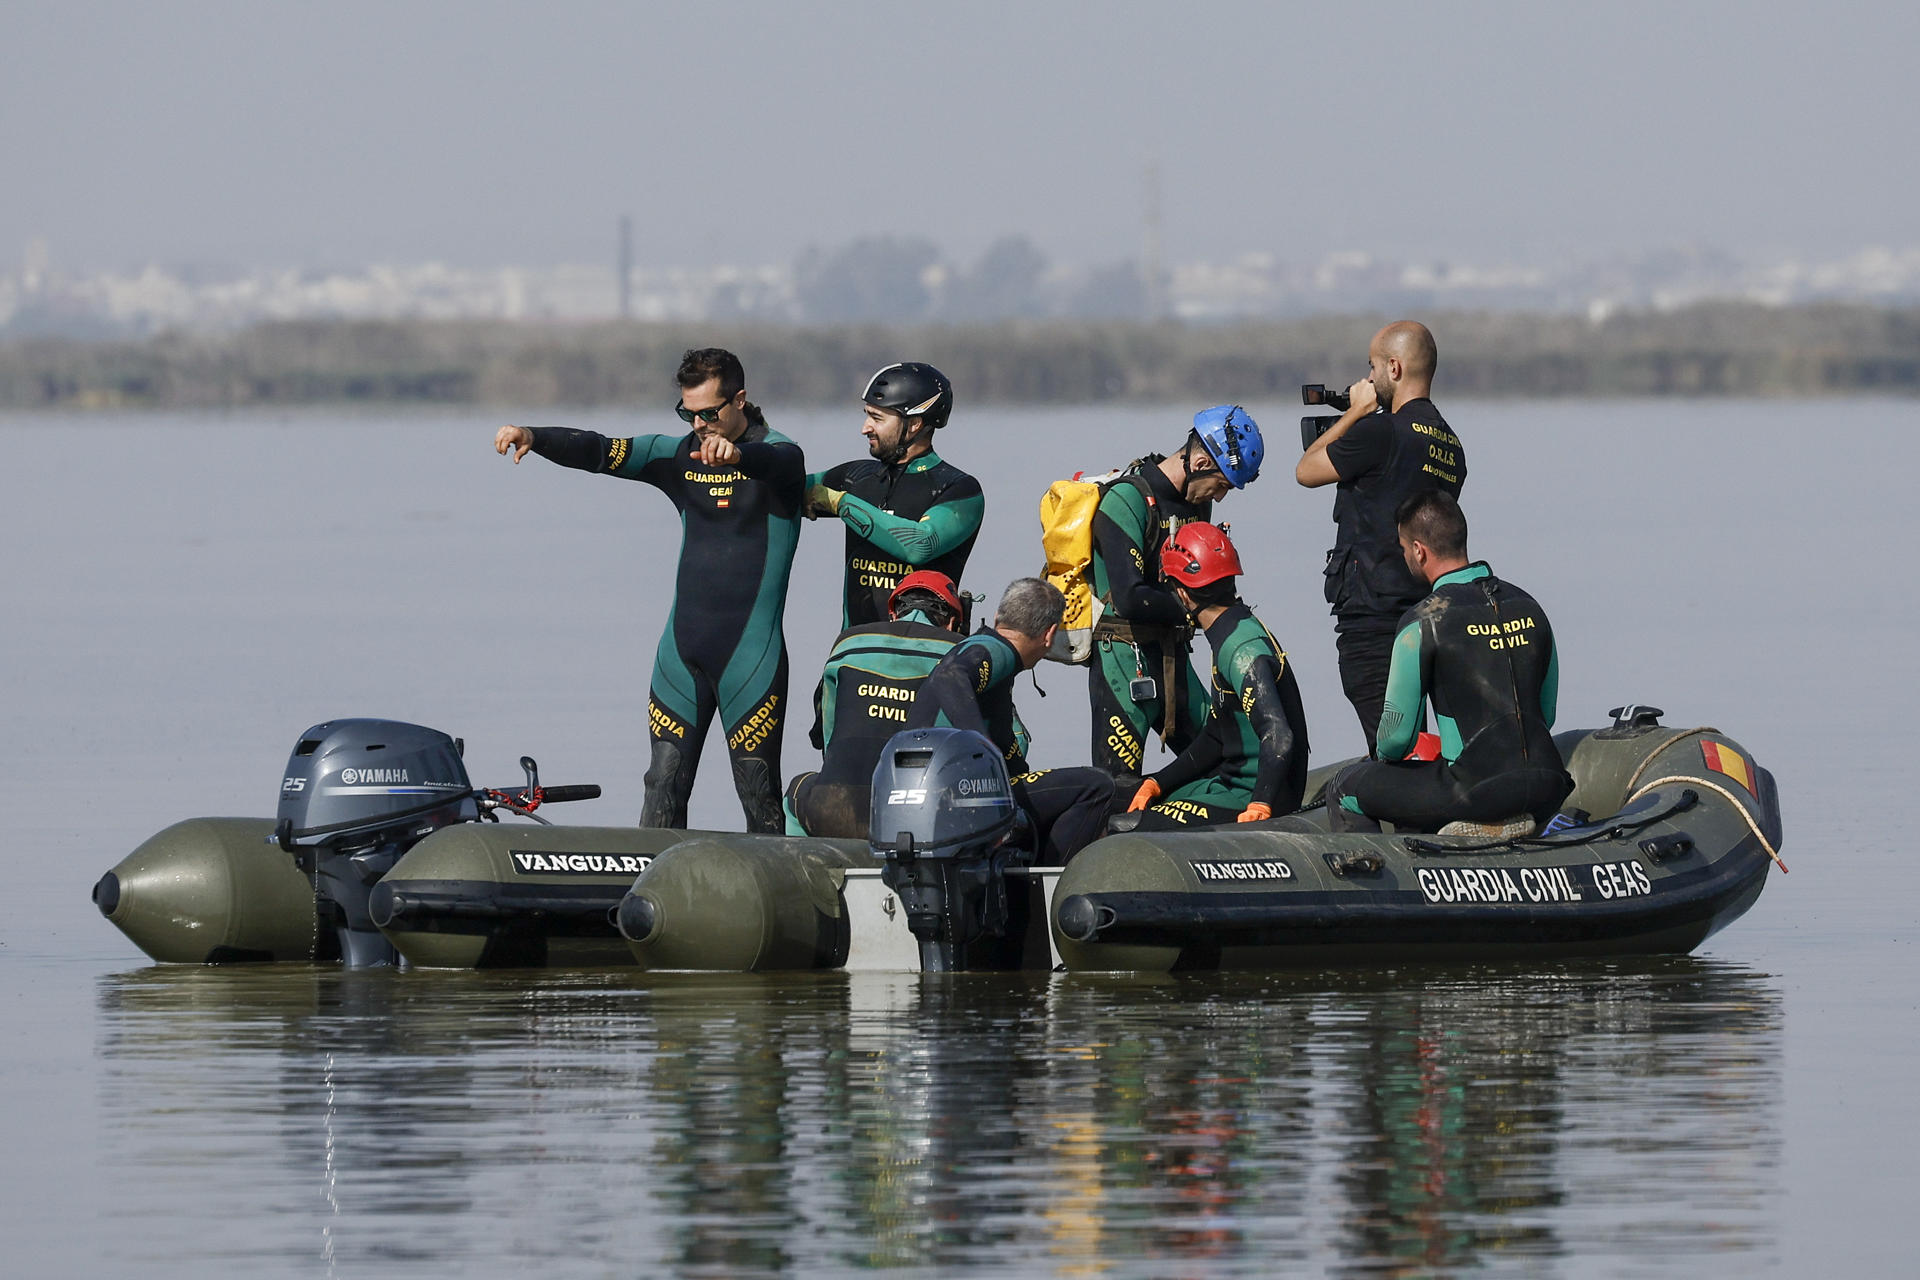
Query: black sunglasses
x=708 y=416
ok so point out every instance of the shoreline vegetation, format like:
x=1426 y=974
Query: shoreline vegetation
x=1707 y=350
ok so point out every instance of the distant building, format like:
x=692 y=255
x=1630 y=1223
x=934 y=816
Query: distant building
x=883 y=281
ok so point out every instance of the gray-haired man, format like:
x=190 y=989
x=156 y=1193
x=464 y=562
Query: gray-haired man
x=972 y=688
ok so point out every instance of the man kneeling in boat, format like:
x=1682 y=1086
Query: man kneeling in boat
x=1481 y=651
x=1249 y=762
x=972 y=688
x=864 y=697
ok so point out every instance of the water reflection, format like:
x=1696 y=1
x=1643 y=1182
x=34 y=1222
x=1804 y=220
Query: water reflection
x=1390 y=1123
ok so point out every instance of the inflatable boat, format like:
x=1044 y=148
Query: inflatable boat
x=1691 y=832
x=367 y=864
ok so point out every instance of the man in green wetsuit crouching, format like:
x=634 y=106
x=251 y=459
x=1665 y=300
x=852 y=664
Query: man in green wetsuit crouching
x=738 y=486
x=1481 y=652
x=1139 y=678
x=865 y=696
x=972 y=688
x=1249 y=763
x=904 y=507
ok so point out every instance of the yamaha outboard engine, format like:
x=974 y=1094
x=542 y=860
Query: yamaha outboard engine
x=942 y=818
x=357 y=794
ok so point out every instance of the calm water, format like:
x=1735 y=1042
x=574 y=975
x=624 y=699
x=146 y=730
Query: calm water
x=188 y=593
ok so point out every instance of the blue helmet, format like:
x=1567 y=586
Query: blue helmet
x=1232 y=440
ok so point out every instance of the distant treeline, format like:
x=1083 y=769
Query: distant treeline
x=1719 y=349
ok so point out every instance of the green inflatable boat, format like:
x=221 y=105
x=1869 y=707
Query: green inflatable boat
x=1690 y=832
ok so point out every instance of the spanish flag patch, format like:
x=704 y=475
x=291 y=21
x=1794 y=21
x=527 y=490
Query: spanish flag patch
x=1722 y=758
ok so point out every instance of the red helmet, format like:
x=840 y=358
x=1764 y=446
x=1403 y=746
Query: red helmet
x=928 y=580
x=1199 y=553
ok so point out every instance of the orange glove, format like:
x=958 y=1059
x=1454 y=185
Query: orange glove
x=1425 y=747
x=1148 y=792
x=1258 y=811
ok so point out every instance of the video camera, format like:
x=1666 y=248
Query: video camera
x=1314 y=425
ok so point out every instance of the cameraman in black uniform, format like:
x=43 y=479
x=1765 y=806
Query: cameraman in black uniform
x=1379 y=460
x=905 y=507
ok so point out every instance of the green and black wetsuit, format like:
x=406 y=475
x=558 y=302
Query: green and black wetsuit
x=972 y=688
x=864 y=697
x=1254 y=745
x=1143 y=631
x=724 y=647
x=920 y=514
x=1481 y=652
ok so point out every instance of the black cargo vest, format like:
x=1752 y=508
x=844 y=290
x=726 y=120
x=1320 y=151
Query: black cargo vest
x=1366 y=573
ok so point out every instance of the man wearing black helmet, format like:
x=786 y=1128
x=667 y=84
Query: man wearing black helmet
x=1139 y=679
x=905 y=507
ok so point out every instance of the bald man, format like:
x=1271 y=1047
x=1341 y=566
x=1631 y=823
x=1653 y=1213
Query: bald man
x=1390 y=444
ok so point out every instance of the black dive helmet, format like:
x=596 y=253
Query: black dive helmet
x=912 y=390
x=941 y=819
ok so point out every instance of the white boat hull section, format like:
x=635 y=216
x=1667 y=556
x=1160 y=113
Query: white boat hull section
x=880 y=942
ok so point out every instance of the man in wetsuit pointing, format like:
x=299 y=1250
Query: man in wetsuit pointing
x=738 y=486
x=905 y=507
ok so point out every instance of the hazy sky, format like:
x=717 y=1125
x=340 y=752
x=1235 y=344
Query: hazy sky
x=343 y=133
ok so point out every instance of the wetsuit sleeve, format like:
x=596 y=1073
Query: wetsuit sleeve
x=1119 y=537
x=779 y=463
x=951 y=522
x=834 y=477
x=1550 y=687
x=1406 y=687
x=951 y=694
x=1365 y=446
x=822 y=699
x=581 y=450
x=1261 y=700
x=629 y=459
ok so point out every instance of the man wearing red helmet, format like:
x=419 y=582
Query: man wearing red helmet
x=1249 y=762
x=865 y=693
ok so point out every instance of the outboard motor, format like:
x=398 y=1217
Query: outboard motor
x=357 y=794
x=944 y=821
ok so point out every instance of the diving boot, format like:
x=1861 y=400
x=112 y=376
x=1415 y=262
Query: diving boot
x=669 y=784
x=753 y=778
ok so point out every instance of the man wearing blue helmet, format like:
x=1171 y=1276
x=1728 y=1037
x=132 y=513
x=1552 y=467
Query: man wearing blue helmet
x=1139 y=678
